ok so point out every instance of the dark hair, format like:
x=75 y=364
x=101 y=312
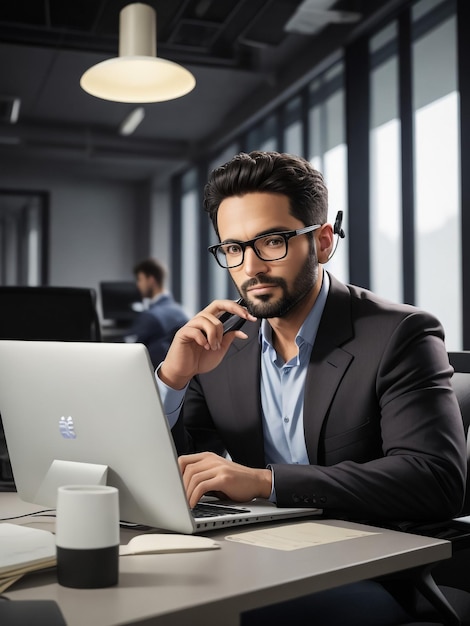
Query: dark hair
x=151 y=267
x=272 y=172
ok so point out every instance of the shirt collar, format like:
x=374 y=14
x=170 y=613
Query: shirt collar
x=158 y=297
x=308 y=331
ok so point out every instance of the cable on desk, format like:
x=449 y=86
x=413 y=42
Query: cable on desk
x=43 y=513
x=133 y=526
x=52 y=513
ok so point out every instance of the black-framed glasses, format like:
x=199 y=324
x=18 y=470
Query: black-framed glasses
x=271 y=247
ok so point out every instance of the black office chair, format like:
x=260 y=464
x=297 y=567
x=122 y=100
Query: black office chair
x=444 y=589
x=47 y=314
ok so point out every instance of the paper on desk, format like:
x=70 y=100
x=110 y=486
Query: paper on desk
x=24 y=550
x=296 y=536
x=155 y=543
x=8 y=581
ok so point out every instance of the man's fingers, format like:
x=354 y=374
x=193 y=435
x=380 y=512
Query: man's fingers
x=188 y=459
x=200 y=474
x=199 y=485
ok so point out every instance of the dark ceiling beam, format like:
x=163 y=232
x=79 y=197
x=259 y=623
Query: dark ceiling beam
x=87 y=142
x=54 y=38
x=109 y=45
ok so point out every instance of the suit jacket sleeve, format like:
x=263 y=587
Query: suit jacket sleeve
x=404 y=456
x=382 y=425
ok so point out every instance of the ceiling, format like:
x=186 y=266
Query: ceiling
x=239 y=51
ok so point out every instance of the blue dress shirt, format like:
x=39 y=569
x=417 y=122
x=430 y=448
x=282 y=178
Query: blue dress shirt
x=282 y=389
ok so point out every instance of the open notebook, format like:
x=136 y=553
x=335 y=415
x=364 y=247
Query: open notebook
x=81 y=413
x=24 y=550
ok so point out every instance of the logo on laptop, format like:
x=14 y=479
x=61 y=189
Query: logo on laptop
x=66 y=427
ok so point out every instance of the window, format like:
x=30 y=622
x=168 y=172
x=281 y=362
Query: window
x=327 y=151
x=293 y=127
x=220 y=283
x=437 y=168
x=263 y=136
x=386 y=258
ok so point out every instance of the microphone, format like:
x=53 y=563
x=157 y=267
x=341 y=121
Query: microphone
x=337 y=230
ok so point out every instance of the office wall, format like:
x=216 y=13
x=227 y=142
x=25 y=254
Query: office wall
x=98 y=228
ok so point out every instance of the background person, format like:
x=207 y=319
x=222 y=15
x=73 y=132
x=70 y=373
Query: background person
x=156 y=325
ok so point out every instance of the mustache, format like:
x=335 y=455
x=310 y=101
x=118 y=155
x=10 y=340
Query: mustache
x=261 y=279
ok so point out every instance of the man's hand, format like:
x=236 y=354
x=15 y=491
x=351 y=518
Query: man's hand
x=208 y=472
x=200 y=345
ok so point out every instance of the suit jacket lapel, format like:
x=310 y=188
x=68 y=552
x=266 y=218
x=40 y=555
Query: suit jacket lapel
x=245 y=387
x=328 y=363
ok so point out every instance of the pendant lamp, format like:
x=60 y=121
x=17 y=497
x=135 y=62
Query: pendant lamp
x=137 y=74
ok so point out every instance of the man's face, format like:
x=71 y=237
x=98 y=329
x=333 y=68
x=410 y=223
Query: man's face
x=144 y=285
x=269 y=288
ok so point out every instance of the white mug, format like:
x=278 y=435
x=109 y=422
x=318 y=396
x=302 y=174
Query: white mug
x=87 y=536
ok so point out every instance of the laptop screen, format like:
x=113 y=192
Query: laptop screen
x=68 y=407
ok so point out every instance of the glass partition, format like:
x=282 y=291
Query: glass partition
x=386 y=254
x=437 y=169
x=328 y=152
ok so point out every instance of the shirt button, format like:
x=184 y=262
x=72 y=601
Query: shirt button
x=286 y=420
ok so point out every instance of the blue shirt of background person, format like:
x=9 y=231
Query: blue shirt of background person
x=156 y=325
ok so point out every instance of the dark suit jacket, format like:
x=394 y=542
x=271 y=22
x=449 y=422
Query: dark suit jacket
x=156 y=326
x=383 y=429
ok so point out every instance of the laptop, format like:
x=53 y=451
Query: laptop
x=90 y=413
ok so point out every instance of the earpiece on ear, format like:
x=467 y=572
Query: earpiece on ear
x=337 y=230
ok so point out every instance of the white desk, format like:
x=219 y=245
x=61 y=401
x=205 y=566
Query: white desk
x=205 y=588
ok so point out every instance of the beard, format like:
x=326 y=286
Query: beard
x=266 y=306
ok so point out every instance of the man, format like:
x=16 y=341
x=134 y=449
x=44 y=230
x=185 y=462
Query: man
x=336 y=398
x=328 y=396
x=155 y=326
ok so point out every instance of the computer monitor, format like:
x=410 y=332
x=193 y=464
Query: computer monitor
x=90 y=413
x=49 y=313
x=120 y=301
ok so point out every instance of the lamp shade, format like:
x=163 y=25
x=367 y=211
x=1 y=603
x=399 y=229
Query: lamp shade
x=137 y=74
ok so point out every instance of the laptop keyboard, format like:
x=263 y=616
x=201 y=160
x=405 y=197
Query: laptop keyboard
x=215 y=510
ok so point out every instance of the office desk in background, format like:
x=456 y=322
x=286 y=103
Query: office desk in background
x=216 y=586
